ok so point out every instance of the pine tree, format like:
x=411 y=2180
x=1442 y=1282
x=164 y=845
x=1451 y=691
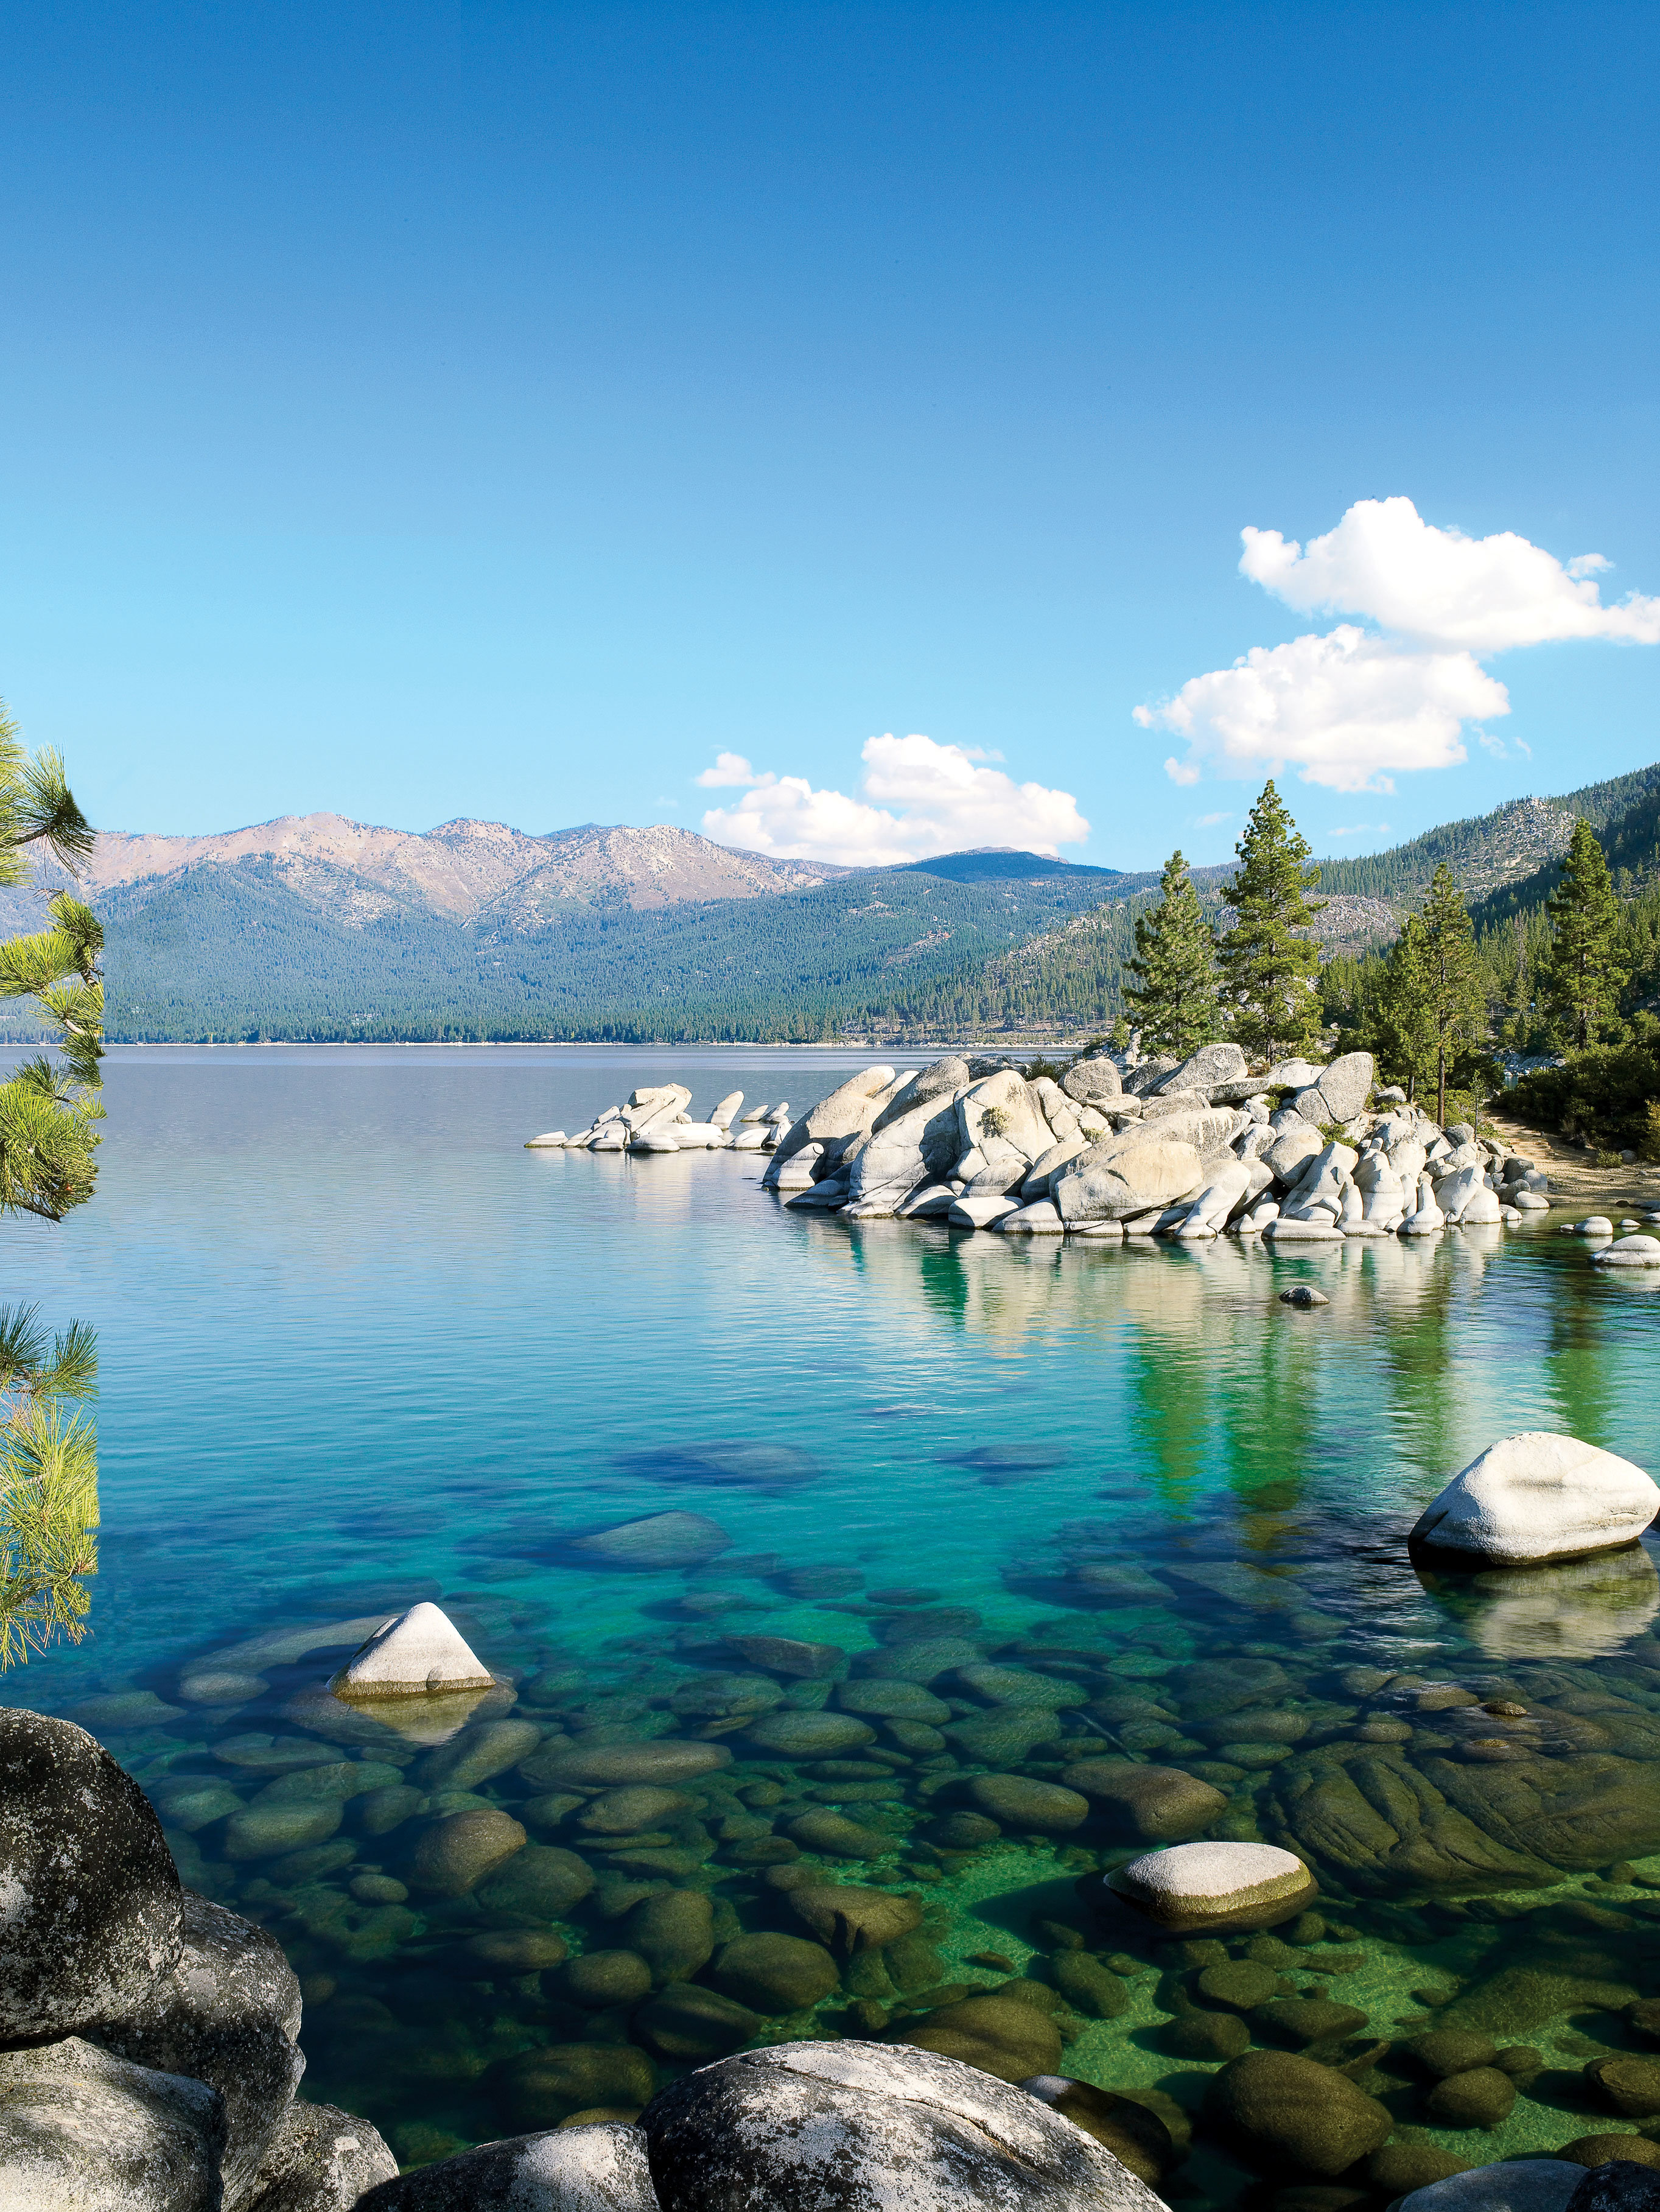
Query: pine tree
x=1587 y=967
x=1453 y=981
x=1268 y=970
x=1171 y=986
x=1398 y=1029
x=48 y=1110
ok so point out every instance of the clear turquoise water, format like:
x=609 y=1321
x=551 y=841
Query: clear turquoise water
x=358 y=1346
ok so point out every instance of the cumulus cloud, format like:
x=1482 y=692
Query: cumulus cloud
x=1488 y=594
x=915 y=799
x=1348 y=708
x=1354 y=708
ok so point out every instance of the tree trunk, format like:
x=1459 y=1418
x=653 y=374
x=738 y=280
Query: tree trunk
x=1441 y=1084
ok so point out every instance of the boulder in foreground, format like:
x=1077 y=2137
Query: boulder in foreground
x=863 y=2127
x=593 y=2169
x=1537 y=1496
x=420 y=1652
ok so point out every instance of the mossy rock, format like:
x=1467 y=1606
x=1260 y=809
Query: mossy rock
x=1209 y=1688
x=683 y=2021
x=501 y=1951
x=1088 y=1986
x=810 y=1735
x=997 y=2035
x=538 y=1884
x=832 y=1835
x=775 y=1974
x=269 y=1831
x=1309 y=2019
x=1279 y=2107
x=1448 y=2051
x=1598 y=2150
x=603 y=1979
x=1399 y=2168
x=1519 y=1997
x=1480 y=2098
x=1238 y=1986
x=1213 y=2036
x=673 y=1932
x=1628 y=2086
x=1137 y=2137
x=539 y=2088
x=1020 y=1803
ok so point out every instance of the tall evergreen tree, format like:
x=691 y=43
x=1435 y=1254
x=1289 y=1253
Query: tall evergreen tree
x=1397 y=1027
x=1453 y=981
x=1171 y=985
x=1269 y=971
x=1587 y=966
x=48 y=1137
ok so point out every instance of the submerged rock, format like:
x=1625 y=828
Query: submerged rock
x=775 y=1973
x=659 y=1541
x=1538 y=1496
x=1279 y=2107
x=539 y=2088
x=1163 y=1804
x=851 y=1919
x=1135 y=2136
x=91 y=1912
x=457 y=1854
x=997 y=2035
x=909 y=2128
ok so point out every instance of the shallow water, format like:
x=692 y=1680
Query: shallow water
x=360 y=1347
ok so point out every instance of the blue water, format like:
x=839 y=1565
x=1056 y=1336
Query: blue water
x=358 y=1346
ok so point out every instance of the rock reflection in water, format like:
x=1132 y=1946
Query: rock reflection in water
x=1580 y=1609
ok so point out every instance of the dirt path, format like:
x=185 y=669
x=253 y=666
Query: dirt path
x=1573 y=1181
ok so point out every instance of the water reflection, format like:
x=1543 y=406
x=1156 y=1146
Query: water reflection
x=1579 y=1609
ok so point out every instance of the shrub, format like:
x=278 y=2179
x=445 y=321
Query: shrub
x=1606 y=1094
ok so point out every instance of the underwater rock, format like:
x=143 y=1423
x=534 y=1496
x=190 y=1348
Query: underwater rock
x=90 y=1896
x=1624 y=2184
x=1516 y=1998
x=1309 y=2019
x=514 y=1951
x=1208 y=1688
x=1628 y=2086
x=1281 y=2106
x=191 y=1801
x=226 y=2012
x=909 y=2128
x=786 y=1655
x=1380 y=1822
x=457 y=1854
x=1239 y=1986
x=603 y=1979
x=1577 y=1813
x=1211 y=2036
x=658 y=1541
x=1216 y=1886
x=1021 y=1686
x=1089 y=1987
x=1445 y=2052
x=684 y=2021
x=851 y=1919
x=724 y=1697
x=1398 y=2168
x=631 y=1810
x=810 y=1735
x=1576 y=1609
x=885 y=1701
x=421 y=1652
x=319 y=2159
x=775 y=1973
x=1480 y=2098
x=1136 y=2136
x=1599 y=2150
x=997 y=2035
x=83 y=2131
x=1537 y=1496
x=538 y=1883
x=740 y=1463
x=1005 y=1735
x=673 y=1932
x=917 y=1659
x=665 y=1761
x=833 y=1836
x=478 y=1754
x=1025 y=1805
x=1161 y=1804
x=539 y=2088
x=599 y=2169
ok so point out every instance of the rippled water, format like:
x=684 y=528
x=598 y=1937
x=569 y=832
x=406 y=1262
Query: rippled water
x=360 y=1347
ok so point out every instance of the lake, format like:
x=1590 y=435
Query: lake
x=359 y=1347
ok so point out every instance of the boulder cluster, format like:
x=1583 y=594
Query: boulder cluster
x=1119 y=1146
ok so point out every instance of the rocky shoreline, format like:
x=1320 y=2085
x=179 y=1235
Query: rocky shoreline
x=1301 y=1153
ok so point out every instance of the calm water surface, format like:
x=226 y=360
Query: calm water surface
x=359 y=1347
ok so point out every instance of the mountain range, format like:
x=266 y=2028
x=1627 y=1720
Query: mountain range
x=318 y=926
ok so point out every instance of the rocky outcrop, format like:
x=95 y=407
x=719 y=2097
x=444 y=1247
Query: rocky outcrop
x=600 y=2168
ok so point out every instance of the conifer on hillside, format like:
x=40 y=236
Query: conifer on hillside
x=1587 y=965
x=1268 y=970
x=1452 y=981
x=1171 y=986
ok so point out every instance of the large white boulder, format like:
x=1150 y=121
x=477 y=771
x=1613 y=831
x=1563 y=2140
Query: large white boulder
x=1093 y=1079
x=722 y=1115
x=1629 y=1252
x=1536 y=1497
x=847 y=1113
x=1211 y=1065
x=851 y=2126
x=1003 y=1105
x=420 y=1652
x=1341 y=1091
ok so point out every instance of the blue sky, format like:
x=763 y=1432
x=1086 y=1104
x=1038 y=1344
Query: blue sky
x=510 y=411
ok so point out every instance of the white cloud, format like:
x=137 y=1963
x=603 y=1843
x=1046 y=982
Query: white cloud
x=1354 y=708
x=1487 y=594
x=1348 y=710
x=1210 y=821
x=917 y=798
x=730 y=769
x=1362 y=830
